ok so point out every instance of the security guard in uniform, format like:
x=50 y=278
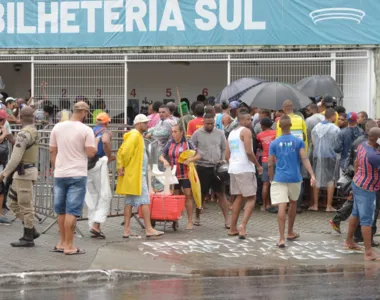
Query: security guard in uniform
x=22 y=168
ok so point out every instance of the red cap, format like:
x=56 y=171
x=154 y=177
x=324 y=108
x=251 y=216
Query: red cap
x=352 y=117
x=3 y=115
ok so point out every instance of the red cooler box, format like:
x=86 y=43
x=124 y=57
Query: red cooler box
x=165 y=207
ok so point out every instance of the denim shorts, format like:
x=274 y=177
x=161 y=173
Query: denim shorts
x=143 y=199
x=364 y=205
x=69 y=195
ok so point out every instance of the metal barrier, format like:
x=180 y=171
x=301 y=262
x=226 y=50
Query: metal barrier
x=43 y=191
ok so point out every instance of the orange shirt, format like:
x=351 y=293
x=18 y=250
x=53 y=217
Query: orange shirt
x=193 y=126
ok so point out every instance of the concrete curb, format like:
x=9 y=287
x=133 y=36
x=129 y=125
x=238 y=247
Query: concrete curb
x=59 y=277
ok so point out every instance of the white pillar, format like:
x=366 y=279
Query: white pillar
x=31 y=79
x=333 y=65
x=229 y=69
x=125 y=90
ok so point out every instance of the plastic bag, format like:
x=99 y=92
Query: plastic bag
x=2 y=84
x=193 y=177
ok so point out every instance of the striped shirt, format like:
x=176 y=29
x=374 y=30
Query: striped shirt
x=367 y=177
x=173 y=150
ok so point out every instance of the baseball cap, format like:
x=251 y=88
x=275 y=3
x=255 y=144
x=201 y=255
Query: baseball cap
x=103 y=117
x=234 y=105
x=266 y=122
x=3 y=114
x=352 y=117
x=81 y=105
x=328 y=100
x=10 y=99
x=140 y=119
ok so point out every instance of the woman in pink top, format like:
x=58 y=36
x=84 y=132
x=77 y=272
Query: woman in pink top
x=154 y=118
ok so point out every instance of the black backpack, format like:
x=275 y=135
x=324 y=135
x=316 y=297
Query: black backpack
x=4 y=151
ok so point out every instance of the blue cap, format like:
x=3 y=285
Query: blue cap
x=234 y=104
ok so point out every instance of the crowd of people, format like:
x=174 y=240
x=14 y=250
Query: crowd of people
x=272 y=156
x=243 y=155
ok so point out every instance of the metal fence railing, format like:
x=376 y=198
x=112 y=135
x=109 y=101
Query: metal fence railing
x=43 y=191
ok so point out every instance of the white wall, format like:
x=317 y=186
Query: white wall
x=17 y=84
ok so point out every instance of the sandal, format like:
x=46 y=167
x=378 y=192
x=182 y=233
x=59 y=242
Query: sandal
x=282 y=245
x=97 y=234
x=353 y=248
x=56 y=250
x=297 y=235
x=312 y=209
x=376 y=258
x=233 y=234
x=79 y=251
x=132 y=236
x=242 y=237
x=156 y=235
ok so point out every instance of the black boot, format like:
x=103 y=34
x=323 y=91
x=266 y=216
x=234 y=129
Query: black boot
x=26 y=240
x=36 y=234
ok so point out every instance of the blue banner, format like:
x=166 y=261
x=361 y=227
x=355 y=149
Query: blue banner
x=127 y=23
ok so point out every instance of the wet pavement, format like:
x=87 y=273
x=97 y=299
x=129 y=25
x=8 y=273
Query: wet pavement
x=206 y=247
x=278 y=283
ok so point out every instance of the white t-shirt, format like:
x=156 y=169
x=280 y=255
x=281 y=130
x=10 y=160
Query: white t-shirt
x=8 y=127
x=71 y=138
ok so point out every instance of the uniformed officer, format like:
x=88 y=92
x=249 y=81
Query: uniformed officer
x=22 y=168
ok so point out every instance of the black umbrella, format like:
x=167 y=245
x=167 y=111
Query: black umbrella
x=319 y=85
x=236 y=89
x=271 y=95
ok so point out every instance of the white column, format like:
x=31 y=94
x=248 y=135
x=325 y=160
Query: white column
x=125 y=89
x=333 y=65
x=229 y=69
x=371 y=84
x=31 y=78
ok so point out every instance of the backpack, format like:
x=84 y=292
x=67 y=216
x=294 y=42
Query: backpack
x=4 y=151
x=230 y=127
x=92 y=161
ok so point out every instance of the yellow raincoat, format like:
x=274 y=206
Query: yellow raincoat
x=130 y=157
x=193 y=177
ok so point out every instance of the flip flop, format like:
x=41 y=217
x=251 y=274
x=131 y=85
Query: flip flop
x=227 y=226
x=233 y=234
x=197 y=223
x=132 y=236
x=158 y=234
x=280 y=245
x=242 y=237
x=56 y=250
x=377 y=258
x=97 y=234
x=79 y=251
x=312 y=209
x=294 y=237
x=353 y=248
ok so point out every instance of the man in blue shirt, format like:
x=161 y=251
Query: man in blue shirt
x=288 y=151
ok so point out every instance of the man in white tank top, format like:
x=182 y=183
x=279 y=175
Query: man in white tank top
x=242 y=162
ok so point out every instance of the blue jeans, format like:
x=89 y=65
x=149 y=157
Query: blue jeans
x=364 y=205
x=69 y=195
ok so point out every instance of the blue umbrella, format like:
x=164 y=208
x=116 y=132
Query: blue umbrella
x=236 y=89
